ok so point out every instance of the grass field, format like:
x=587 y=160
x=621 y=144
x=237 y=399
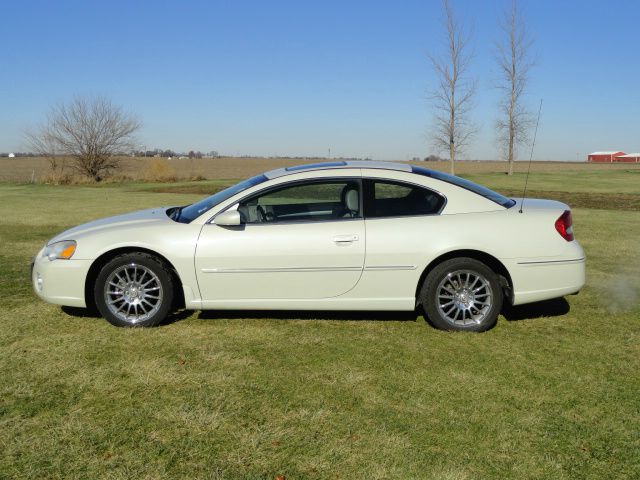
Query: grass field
x=551 y=392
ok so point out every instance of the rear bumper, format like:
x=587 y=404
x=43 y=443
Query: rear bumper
x=537 y=280
x=60 y=281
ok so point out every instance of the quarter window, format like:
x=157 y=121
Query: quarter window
x=314 y=201
x=467 y=185
x=397 y=199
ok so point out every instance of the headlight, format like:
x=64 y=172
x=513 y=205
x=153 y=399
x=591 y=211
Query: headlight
x=63 y=250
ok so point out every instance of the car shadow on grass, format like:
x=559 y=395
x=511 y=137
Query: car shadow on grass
x=78 y=312
x=308 y=315
x=547 y=308
x=265 y=315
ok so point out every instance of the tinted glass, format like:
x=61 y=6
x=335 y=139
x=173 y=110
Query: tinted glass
x=396 y=199
x=191 y=212
x=467 y=185
x=316 y=201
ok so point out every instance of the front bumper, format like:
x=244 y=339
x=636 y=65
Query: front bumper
x=60 y=281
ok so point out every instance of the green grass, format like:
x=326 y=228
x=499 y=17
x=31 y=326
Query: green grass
x=612 y=190
x=580 y=180
x=216 y=395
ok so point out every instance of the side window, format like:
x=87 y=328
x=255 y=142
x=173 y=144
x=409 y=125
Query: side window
x=397 y=199
x=310 y=201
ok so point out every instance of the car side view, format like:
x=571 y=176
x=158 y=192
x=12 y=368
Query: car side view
x=357 y=235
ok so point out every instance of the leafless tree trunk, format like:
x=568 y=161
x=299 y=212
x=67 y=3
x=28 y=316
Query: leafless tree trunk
x=514 y=65
x=93 y=132
x=453 y=97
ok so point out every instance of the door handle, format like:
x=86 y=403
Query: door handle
x=342 y=239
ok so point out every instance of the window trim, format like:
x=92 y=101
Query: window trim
x=369 y=193
x=293 y=183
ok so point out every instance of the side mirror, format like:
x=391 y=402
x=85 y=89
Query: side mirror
x=230 y=218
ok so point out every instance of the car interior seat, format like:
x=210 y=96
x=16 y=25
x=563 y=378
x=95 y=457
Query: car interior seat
x=350 y=201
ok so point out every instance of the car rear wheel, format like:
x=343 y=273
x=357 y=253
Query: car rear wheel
x=462 y=294
x=134 y=290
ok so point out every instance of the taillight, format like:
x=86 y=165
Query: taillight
x=564 y=225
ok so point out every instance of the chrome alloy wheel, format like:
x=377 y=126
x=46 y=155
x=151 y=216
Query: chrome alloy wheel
x=464 y=297
x=133 y=293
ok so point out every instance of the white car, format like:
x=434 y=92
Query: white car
x=330 y=236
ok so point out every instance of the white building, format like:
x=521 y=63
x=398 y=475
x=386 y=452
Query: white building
x=12 y=155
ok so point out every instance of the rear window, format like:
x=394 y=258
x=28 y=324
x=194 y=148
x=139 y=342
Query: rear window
x=398 y=199
x=467 y=185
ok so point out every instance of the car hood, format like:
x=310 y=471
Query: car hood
x=141 y=217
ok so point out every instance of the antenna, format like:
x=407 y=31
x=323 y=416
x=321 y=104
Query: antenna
x=526 y=181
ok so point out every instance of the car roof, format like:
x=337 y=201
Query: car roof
x=280 y=172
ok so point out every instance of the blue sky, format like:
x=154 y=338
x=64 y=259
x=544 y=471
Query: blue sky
x=300 y=77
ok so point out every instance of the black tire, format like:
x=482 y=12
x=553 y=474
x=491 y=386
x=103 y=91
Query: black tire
x=447 y=293
x=139 y=283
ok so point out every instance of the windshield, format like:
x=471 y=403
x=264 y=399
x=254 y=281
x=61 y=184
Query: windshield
x=191 y=212
x=467 y=185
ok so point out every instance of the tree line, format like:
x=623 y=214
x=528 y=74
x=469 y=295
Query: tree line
x=158 y=152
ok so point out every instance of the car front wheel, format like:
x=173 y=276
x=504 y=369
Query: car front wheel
x=462 y=294
x=134 y=290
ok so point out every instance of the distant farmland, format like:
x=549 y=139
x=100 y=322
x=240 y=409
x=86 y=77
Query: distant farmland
x=23 y=170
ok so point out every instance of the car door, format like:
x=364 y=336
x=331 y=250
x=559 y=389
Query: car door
x=303 y=240
x=403 y=232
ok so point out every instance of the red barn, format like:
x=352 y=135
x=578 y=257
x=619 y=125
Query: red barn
x=628 y=158
x=603 y=157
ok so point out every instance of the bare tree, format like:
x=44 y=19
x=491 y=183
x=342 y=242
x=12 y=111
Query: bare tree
x=45 y=147
x=514 y=65
x=453 y=97
x=92 y=131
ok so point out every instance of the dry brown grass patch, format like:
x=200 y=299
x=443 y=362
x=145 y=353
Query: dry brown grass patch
x=160 y=170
